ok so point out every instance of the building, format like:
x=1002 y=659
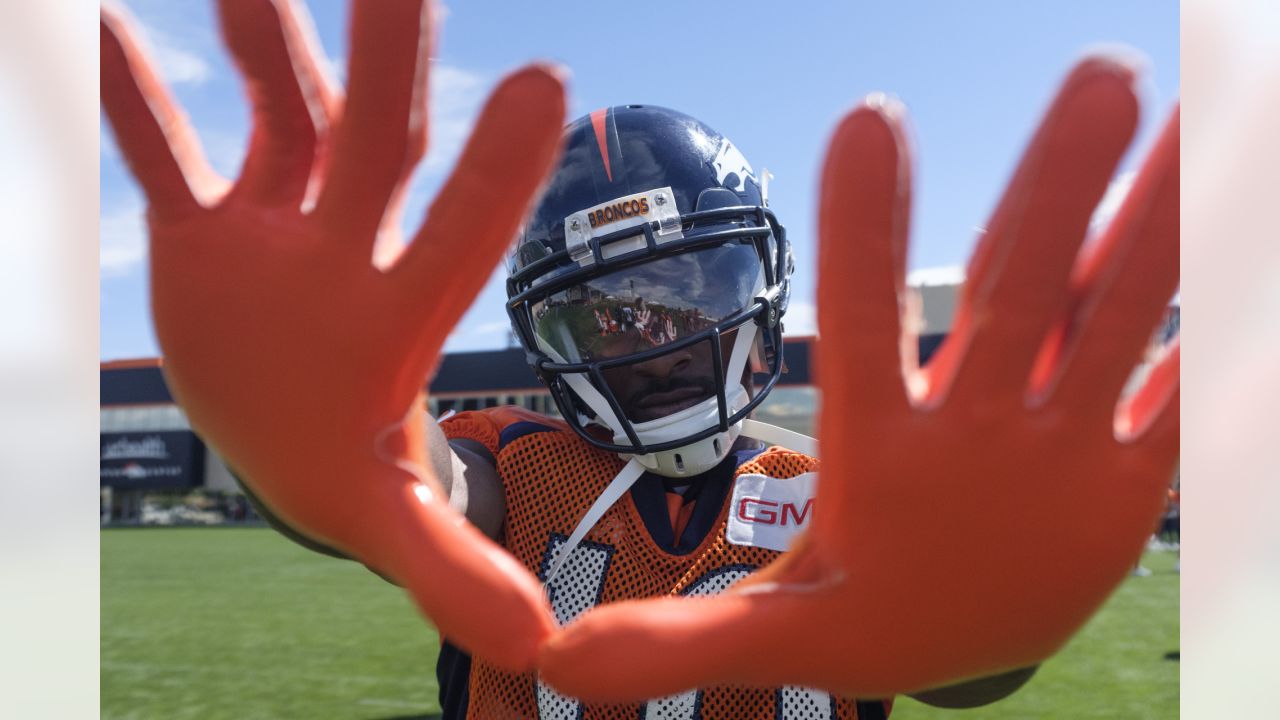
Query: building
x=149 y=450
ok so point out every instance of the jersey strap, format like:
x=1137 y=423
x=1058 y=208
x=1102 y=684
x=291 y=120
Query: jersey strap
x=616 y=489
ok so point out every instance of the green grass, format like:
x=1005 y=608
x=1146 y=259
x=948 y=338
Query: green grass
x=1115 y=668
x=241 y=623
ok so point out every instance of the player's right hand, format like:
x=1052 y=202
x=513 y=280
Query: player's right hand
x=297 y=345
x=971 y=514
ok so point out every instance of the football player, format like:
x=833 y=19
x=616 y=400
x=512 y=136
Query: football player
x=297 y=334
x=656 y=482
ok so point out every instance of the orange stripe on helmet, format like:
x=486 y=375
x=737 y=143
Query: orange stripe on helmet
x=597 y=123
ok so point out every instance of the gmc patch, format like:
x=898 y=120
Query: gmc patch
x=770 y=512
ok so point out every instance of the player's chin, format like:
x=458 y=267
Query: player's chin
x=657 y=411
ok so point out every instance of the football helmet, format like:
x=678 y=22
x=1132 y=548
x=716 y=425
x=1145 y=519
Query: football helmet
x=648 y=286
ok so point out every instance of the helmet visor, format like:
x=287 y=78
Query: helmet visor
x=648 y=305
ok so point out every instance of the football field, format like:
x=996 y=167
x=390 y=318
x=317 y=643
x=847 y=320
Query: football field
x=241 y=623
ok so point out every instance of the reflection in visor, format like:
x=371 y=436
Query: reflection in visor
x=648 y=305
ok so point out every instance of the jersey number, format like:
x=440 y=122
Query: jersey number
x=578 y=588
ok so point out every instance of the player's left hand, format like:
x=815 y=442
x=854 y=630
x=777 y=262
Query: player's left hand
x=972 y=514
x=296 y=339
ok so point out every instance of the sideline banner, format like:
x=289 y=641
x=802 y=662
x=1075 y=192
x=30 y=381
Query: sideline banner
x=161 y=460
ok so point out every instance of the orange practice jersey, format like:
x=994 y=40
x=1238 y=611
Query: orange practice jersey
x=550 y=478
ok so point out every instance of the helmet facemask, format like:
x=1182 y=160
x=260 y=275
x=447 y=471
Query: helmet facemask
x=606 y=331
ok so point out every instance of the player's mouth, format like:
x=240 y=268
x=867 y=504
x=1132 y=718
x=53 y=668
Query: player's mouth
x=652 y=406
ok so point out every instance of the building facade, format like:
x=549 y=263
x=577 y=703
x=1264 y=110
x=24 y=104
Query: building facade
x=149 y=450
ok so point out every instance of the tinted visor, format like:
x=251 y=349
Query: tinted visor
x=650 y=304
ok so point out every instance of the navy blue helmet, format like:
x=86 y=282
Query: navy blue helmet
x=652 y=240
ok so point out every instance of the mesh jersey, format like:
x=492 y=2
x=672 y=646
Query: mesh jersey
x=551 y=477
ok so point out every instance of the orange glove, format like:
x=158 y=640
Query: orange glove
x=973 y=514
x=294 y=351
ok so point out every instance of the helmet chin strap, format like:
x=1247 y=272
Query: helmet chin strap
x=616 y=489
x=774 y=435
x=631 y=472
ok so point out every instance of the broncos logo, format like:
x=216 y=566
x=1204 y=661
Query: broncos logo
x=732 y=169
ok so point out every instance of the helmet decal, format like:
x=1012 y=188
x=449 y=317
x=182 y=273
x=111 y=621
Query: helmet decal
x=732 y=169
x=598 y=118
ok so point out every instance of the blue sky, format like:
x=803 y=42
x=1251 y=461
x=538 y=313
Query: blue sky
x=773 y=76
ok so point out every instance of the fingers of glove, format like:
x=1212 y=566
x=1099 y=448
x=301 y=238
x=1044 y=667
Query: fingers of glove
x=151 y=130
x=400 y=525
x=635 y=650
x=274 y=44
x=863 y=213
x=475 y=592
x=383 y=130
x=1122 y=288
x=1017 y=283
x=1148 y=419
x=397 y=521
x=476 y=215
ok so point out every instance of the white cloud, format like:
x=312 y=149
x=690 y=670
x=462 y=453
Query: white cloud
x=179 y=66
x=170 y=35
x=176 y=63
x=122 y=240
x=456 y=97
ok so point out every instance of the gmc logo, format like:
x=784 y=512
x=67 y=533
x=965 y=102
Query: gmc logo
x=769 y=512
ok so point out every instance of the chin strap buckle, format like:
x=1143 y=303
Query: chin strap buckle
x=772 y=300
